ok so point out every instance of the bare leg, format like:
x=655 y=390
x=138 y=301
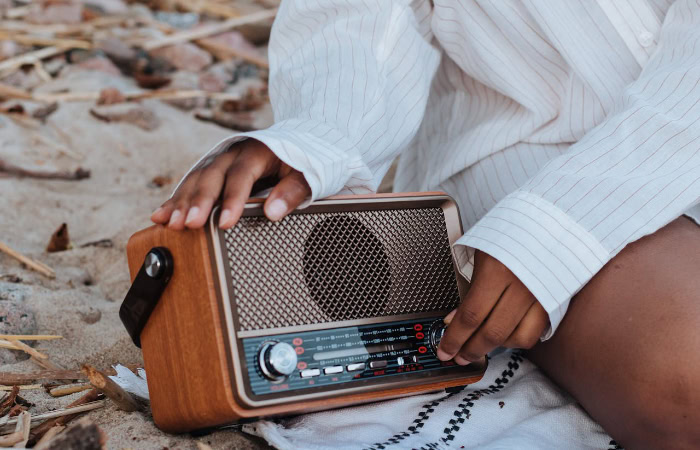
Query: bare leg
x=628 y=348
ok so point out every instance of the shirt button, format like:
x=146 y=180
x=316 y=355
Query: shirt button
x=646 y=39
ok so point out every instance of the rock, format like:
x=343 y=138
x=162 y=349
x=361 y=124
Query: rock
x=15 y=318
x=13 y=292
x=90 y=315
x=108 y=6
x=100 y=63
x=116 y=50
x=177 y=20
x=235 y=41
x=110 y=96
x=55 y=12
x=26 y=78
x=185 y=81
x=8 y=49
x=134 y=114
x=185 y=56
x=212 y=82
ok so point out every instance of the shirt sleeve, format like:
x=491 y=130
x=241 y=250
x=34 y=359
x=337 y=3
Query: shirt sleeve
x=628 y=177
x=349 y=82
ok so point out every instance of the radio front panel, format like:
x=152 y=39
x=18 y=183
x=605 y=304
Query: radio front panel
x=350 y=357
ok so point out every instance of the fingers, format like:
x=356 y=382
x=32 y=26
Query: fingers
x=252 y=164
x=471 y=313
x=289 y=193
x=530 y=328
x=171 y=210
x=500 y=324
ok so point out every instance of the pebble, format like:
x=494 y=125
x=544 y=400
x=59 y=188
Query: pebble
x=184 y=56
x=90 y=315
x=46 y=13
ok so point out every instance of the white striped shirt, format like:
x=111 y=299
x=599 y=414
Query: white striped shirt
x=564 y=129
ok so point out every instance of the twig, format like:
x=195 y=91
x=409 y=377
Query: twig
x=29 y=58
x=208 y=30
x=31 y=337
x=208 y=7
x=20 y=436
x=59 y=148
x=63 y=391
x=61 y=417
x=18 y=345
x=62 y=28
x=64 y=412
x=104 y=384
x=36 y=355
x=35 y=265
x=26 y=387
x=7 y=91
x=53 y=431
x=29 y=39
x=7 y=378
x=223 y=52
x=10 y=379
x=77 y=174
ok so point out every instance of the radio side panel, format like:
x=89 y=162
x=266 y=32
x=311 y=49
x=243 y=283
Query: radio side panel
x=182 y=343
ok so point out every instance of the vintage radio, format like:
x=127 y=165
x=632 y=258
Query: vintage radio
x=337 y=304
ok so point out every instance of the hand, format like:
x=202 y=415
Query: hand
x=233 y=173
x=498 y=311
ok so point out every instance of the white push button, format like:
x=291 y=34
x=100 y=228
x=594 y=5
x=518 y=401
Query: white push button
x=355 y=367
x=333 y=369
x=377 y=364
x=308 y=373
x=400 y=361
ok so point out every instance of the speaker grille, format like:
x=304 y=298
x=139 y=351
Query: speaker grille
x=332 y=266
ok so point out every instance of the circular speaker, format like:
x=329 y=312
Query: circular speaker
x=346 y=269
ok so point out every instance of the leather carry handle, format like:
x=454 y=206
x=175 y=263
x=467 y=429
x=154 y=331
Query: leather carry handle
x=145 y=292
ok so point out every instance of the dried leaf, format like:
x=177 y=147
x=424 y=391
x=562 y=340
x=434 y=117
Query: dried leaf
x=134 y=114
x=60 y=240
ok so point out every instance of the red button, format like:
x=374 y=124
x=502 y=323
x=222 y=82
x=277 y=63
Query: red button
x=299 y=350
x=418 y=327
x=422 y=349
x=298 y=341
x=301 y=365
x=419 y=335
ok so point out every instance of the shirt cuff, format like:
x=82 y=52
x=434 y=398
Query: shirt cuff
x=546 y=249
x=320 y=152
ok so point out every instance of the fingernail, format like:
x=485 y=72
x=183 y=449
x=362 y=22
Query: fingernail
x=276 y=209
x=461 y=361
x=224 y=218
x=157 y=210
x=448 y=318
x=192 y=214
x=175 y=216
x=442 y=356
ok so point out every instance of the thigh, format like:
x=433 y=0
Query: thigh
x=628 y=348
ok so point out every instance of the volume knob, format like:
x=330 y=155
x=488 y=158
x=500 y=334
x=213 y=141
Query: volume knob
x=277 y=360
x=437 y=330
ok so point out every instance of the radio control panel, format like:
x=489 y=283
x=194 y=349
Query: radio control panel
x=300 y=362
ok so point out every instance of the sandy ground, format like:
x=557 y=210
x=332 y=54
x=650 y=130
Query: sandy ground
x=81 y=304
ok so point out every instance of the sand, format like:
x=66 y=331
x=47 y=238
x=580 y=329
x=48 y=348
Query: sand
x=82 y=303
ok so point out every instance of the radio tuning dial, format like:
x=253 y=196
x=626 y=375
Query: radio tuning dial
x=277 y=360
x=437 y=330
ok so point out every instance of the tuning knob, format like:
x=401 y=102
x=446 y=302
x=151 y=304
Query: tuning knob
x=437 y=330
x=277 y=360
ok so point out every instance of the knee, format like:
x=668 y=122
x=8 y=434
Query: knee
x=665 y=413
